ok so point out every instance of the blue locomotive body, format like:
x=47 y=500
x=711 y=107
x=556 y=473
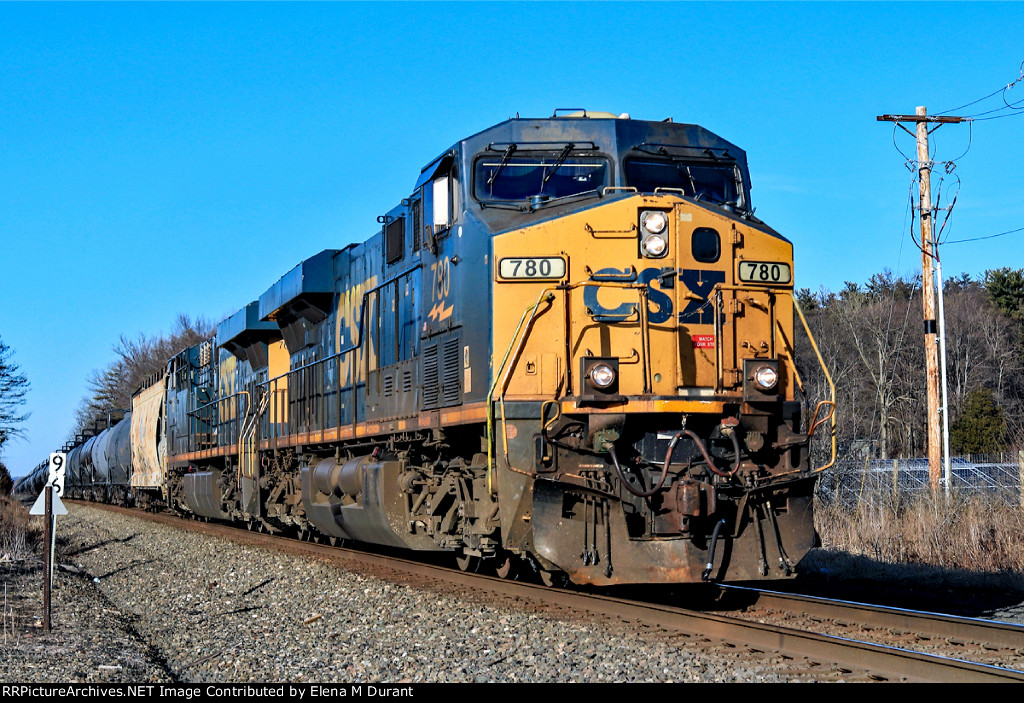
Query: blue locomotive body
x=568 y=349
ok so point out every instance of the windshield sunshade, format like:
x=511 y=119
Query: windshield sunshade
x=522 y=177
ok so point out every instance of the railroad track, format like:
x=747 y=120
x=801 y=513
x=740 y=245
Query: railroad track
x=983 y=641
x=755 y=632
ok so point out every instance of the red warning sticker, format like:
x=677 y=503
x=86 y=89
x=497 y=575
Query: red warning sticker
x=703 y=341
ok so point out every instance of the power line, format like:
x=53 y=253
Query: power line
x=999 y=117
x=993 y=93
x=973 y=102
x=991 y=236
x=997 y=109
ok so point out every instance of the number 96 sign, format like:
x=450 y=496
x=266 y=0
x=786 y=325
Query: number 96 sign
x=58 y=468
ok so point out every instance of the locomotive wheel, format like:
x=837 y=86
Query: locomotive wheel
x=507 y=566
x=468 y=562
x=553 y=579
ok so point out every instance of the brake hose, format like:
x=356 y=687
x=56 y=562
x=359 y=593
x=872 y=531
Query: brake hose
x=706 y=576
x=664 y=468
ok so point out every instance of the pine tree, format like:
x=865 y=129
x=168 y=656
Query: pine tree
x=6 y=482
x=981 y=427
x=1005 y=287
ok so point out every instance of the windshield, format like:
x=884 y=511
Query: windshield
x=522 y=177
x=715 y=182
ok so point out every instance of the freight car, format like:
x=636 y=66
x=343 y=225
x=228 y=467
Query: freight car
x=569 y=349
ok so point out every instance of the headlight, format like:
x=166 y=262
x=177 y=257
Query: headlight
x=653 y=233
x=655 y=246
x=654 y=221
x=766 y=377
x=602 y=375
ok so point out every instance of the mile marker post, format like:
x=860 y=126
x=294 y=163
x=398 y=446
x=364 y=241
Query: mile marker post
x=58 y=465
x=47 y=557
x=51 y=491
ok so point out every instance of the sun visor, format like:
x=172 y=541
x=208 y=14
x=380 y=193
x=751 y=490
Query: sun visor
x=441 y=165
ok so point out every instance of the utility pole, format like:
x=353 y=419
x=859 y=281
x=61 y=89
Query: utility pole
x=924 y=166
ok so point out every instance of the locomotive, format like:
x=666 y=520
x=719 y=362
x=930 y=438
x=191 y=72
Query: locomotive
x=569 y=349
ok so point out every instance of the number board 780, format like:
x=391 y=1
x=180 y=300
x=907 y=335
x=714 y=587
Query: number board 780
x=531 y=268
x=765 y=272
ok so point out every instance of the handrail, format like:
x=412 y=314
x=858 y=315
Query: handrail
x=831 y=385
x=494 y=384
x=241 y=434
x=270 y=383
x=815 y=422
x=612 y=233
x=546 y=295
x=362 y=319
x=791 y=355
x=625 y=277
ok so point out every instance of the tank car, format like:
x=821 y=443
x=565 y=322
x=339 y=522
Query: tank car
x=31 y=484
x=569 y=349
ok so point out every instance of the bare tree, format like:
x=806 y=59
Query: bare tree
x=13 y=387
x=869 y=337
x=136 y=359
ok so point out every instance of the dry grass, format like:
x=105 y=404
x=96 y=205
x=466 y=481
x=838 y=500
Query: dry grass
x=20 y=534
x=971 y=533
x=20 y=538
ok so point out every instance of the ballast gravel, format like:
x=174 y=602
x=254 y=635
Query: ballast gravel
x=151 y=602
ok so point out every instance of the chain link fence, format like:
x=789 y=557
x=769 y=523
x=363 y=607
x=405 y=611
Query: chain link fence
x=854 y=482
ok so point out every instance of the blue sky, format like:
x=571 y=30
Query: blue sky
x=168 y=158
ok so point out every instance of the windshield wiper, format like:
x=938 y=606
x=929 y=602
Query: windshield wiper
x=509 y=150
x=684 y=169
x=558 y=163
x=503 y=205
x=555 y=201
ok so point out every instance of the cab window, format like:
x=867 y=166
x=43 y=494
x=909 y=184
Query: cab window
x=717 y=183
x=523 y=177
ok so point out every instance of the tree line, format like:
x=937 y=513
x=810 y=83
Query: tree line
x=871 y=337
x=13 y=388
x=111 y=388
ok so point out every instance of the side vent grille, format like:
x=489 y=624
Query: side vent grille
x=406 y=381
x=389 y=386
x=431 y=379
x=206 y=353
x=452 y=372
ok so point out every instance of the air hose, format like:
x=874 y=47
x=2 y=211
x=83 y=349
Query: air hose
x=706 y=576
x=664 y=469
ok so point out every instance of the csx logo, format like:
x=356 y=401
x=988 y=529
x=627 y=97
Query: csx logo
x=699 y=282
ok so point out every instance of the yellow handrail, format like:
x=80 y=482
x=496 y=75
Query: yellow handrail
x=494 y=384
x=831 y=386
x=546 y=295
